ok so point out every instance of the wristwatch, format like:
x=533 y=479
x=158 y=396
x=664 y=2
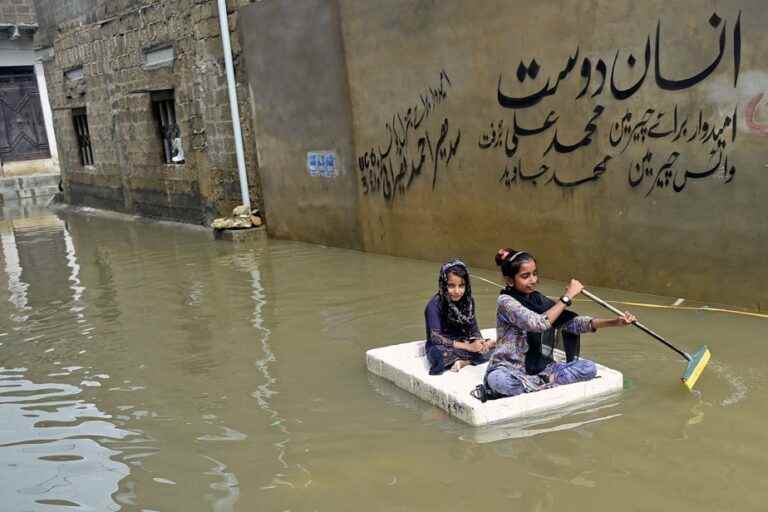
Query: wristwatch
x=566 y=300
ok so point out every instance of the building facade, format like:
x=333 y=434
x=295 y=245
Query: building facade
x=621 y=143
x=27 y=142
x=140 y=107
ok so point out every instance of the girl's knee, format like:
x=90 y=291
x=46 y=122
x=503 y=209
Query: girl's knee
x=504 y=384
x=436 y=360
x=586 y=369
x=576 y=371
x=434 y=352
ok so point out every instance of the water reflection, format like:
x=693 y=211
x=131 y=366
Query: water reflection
x=52 y=447
x=16 y=287
x=228 y=487
x=264 y=393
x=571 y=417
x=74 y=277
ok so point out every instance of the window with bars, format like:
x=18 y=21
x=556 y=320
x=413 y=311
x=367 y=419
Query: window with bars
x=80 y=120
x=163 y=106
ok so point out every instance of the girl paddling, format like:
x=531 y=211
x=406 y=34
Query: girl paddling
x=520 y=364
x=453 y=337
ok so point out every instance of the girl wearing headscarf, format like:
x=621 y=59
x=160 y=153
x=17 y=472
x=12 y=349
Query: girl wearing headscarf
x=521 y=364
x=453 y=337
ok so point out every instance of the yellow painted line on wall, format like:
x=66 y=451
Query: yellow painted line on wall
x=689 y=308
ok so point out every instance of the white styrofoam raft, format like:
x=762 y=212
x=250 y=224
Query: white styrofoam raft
x=406 y=366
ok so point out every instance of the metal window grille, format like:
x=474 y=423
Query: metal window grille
x=80 y=120
x=165 y=116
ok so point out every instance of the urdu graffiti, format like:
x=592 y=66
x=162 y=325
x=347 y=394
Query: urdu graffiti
x=704 y=137
x=410 y=148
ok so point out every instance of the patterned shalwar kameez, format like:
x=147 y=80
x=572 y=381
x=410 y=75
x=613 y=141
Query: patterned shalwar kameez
x=440 y=349
x=506 y=373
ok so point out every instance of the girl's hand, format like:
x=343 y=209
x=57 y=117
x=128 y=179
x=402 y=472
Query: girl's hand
x=476 y=346
x=487 y=344
x=626 y=319
x=574 y=288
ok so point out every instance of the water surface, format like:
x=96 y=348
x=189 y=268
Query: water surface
x=145 y=367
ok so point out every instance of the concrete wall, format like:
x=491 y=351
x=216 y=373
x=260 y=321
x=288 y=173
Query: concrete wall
x=652 y=188
x=109 y=40
x=300 y=97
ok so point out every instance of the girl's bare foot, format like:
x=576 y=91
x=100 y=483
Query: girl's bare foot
x=458 y=365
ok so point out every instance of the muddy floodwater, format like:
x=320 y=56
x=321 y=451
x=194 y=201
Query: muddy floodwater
x=145 y=367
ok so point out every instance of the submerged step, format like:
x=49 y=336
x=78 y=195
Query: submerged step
x=406 y=366
x=17 y=188
x=29 y=181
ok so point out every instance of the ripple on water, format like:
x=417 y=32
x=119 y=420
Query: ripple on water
x=738 y=388
x=573 y=417
x=52 y=446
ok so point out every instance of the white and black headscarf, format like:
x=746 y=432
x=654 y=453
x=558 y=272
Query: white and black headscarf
x=459 y=315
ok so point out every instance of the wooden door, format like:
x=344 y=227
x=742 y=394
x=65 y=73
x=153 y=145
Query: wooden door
x=22 y=129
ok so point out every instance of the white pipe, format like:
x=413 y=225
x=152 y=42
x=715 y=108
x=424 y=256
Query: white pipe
x=234 y=111
x=45 y=103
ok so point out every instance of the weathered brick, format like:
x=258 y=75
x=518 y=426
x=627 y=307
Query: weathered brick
x=125 y=136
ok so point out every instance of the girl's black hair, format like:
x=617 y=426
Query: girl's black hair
x=510 y=261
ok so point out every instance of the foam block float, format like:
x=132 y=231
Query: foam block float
x=406 y=366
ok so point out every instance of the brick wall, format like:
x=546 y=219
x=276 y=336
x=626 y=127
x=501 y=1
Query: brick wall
x=17 y=11
x=129 y=173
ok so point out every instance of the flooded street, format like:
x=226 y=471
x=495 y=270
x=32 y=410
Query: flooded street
x=145 y=367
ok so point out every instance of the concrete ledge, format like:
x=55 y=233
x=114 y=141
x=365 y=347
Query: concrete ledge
x=30 y=167
x=240 y=235
x=65 y=208
x=406 y=366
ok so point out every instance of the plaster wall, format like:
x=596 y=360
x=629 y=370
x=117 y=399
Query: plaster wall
x=298 y=81
x=19 y=52
x=629 y=227
x=610 y=171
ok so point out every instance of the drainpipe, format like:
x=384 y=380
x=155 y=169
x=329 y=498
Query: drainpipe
x=234 y=111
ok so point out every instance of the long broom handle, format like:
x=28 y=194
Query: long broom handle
x=636 y=324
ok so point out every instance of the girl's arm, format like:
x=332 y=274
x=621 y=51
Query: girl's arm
x=477 y=337
x=474 y=329
x=620 y=321
x=435 y=331
x=511 y=311
x=435 y=325
x=469 y=346
x=580 y=325
x=572 y=290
